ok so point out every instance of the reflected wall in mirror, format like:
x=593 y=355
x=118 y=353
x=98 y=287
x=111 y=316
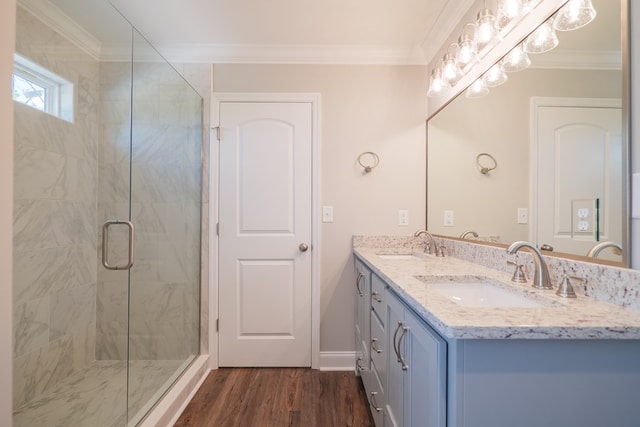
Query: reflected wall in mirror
x=555 y=130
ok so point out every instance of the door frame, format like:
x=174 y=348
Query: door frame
x=535 y=103
x=214 y=181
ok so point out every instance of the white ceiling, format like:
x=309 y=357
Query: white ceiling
x=359 y=31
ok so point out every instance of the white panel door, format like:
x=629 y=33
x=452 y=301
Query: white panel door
x=265 y=225
x=579 y=162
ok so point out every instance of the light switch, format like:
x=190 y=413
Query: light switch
x=403 y=217
x=523 y=216
x=327 y=214
x=448 y=218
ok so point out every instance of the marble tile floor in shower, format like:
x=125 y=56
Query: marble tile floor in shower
x=96 y=397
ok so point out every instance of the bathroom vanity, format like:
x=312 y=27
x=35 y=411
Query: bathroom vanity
x=446 y=342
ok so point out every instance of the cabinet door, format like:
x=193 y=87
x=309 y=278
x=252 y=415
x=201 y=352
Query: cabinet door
x=425 y=384
x=395 y=327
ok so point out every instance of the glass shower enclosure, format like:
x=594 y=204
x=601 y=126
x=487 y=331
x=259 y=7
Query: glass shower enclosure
x=107 y=209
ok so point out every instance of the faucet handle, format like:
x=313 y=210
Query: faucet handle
x=565 y=289
x=518 y=274
x=440 y=250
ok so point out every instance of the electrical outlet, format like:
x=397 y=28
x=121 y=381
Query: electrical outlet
x=327 y=214
x=448 y=218
x=523 y=216
x=403 y=217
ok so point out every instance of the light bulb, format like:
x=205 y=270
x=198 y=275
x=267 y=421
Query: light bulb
x=437 y=84
x=494 y=76
x=507 y=11
x=543 y=39
x=477 y=89
x=465 y=52
x=573 y=15
x=450 y=70
x=485 y=30
x=516 y=60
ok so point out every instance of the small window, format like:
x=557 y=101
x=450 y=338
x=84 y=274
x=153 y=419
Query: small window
x=41 y=89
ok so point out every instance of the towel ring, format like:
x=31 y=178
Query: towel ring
x=486 y=169
x=374 y=160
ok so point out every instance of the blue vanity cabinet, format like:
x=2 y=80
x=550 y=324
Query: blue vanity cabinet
x=416 y=371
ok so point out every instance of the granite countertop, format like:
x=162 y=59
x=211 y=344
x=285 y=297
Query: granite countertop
x=558 y=318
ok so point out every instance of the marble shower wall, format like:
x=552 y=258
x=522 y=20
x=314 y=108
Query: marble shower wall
x=55 y=210
x=166 y=183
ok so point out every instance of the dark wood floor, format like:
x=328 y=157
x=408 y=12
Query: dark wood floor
x=252 y=397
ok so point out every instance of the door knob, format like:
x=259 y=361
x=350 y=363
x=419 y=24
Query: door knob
x=303 y=247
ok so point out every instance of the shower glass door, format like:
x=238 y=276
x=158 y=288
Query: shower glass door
x=165 y=206
x=116 y=166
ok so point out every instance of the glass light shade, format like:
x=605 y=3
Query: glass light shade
x=477 y=89
x=437 y=85
x=542 y=39
x=507 y=11
x=465 y=53
x=450 y=70
x=516 y=60
x=573 y=15
x=494 y=76
x=485 y=30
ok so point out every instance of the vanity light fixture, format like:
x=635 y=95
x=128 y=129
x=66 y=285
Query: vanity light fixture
x=573 y=15
x=477 y=89
x=485 y=30
x=494 y=76
x=516 y=60
x=437 y=84
x=543 y=39
x=508 y=10
x=451 y=72
x=465 y=53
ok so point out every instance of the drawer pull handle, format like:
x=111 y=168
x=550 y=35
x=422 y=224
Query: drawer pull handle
x=373 y=402
x=360 y=276
x=376 y=297
x=359 y=367
x=400 y=358
x=374 y=346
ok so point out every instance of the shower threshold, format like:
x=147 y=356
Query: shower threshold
x=96 y=396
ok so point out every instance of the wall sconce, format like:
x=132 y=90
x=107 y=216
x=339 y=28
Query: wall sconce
x=573 y=15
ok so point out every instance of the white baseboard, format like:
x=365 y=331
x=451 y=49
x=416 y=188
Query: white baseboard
x=337 y=360
x=170 y=407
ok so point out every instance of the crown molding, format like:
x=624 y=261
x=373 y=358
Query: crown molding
x=291 y=54
x=52 y=16
x=579 y=60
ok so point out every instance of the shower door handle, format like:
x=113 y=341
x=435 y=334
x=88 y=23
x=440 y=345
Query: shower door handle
x=105 y=244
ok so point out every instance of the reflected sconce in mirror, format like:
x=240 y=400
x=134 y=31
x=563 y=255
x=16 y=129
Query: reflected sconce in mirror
x=542 y=40
x=573 y=15
x=486 y=163
x=368 y=160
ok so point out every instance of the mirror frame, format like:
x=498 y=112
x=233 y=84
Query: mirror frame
x=480 y=68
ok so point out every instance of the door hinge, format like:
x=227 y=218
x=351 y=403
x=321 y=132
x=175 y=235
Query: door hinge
x=217 y=228
x=218 y=133
x=218 y=325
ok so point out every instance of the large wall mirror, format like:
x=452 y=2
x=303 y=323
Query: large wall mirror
x=554 y=133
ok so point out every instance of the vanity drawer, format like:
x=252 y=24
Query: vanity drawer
x=377 y=297
x=376 y=397
x=378 y=348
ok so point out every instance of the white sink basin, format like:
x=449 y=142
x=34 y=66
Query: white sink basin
x=398 y=256
x=477 y=292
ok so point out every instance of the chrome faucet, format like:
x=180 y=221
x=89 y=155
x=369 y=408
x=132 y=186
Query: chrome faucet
x=595 y=251
x=430 y=243
x=466 y=233
x=541 y=279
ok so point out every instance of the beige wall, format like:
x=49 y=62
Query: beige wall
x=7 y=43
x=497 y=124
x=364 y=108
